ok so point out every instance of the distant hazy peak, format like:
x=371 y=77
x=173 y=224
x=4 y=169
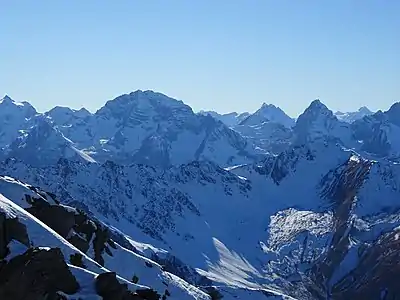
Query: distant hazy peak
x=316 y=110
x=143 y=101
x=318 y=105
x=395 y=107
x=8 y=100
x=82 y=112
x=269 y=113
x=268 y=105
x=229 y=119
x=350 y=117
x=364 y=110
x=9 y=104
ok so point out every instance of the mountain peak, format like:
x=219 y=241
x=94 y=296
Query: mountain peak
x=317 y=104
x=11 y=106
x=364 y=110
x=350 y=117
x=8 y=101
x=60 y=110
x=144 y=105
x=230 y=119
x=6 y=98
x=152 y=95
x=394 y=113
x=83 y=111
x=317 y=108
x=267 y=105
x=395 y=107
x=269 y=113
x=319 y=122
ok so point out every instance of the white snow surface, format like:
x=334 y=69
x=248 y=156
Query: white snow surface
x=193 y=196
x=125 y=262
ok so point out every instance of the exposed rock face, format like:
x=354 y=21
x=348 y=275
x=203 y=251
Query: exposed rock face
x=108 y=287
x=11 y=229
x=344 y=183
x=175 y=266
x=376 y=275
x=55 y=216
x=148 y=294
x=36 y=274
x=76 y=227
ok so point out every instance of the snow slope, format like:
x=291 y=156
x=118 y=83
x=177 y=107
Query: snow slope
x=350 y=117
x=247 y=228
x=123 y=261
x=229 y=119
x=185 y=203
x=269 y=113
x=14 y=118
x=379 y=134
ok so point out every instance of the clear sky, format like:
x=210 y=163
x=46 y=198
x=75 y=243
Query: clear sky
x=212 y=54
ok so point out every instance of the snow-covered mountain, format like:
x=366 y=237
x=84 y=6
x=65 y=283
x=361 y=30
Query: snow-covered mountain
x=151 y=128
x=180 y=206
x=44 y=144
x=143 y=126
x=319 y=123
x=298 y=224
x=15 y=117
x=350 y=117
x=80 y=252
x=269 y=128
x=269 y=113
x=229 y=119
x=380 y=133
x=268 y=136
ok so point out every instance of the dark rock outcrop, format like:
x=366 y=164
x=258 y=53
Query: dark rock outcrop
x=55 y=216
x=85 y=231
x=214 y=293
x=376 y=275
x=11 y=229
x=36 y=274
x=108 y=287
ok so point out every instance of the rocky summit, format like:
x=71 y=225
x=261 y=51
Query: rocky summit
x=146 y=199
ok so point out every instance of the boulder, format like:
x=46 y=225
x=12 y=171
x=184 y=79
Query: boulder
x=36 y=274
x=109 y=288
x=148 y=294
x=11 y=229
x=55 y=216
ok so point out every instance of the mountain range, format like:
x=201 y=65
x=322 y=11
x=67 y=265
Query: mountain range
x=145 y=199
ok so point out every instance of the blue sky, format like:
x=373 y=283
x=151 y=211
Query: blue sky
x=221 y=55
